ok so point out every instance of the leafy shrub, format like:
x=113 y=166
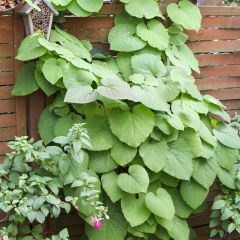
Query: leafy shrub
x=157 y=143
x=33 y=193
x=225 y=217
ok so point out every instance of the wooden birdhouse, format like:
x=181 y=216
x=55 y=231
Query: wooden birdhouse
x=38 y=20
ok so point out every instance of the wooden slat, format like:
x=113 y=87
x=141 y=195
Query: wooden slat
x=221 y=71
x=94 y=35
x=7 y=78
x=218 y=59
x=218 y=83
x=21 y=111
x=8 y=133
x=215 y=46
x=7 y=120
x=213 y=34
x=6 y=50
x=89 y=23
x=7 y=106
x=6 y=65
x=224 y=94
x=221 y=22
x=5 y=92
x=6 y=29
x=232 y=104
x=3 y=148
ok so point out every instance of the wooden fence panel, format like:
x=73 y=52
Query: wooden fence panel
x=217 y=46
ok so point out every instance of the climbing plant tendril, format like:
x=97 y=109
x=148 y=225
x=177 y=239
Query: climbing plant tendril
x=155 y=137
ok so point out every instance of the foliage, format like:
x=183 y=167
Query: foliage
x=33 y=193
x=225 y=217
x=155 y=138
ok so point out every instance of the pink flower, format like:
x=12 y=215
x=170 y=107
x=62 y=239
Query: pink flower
x=97 y=222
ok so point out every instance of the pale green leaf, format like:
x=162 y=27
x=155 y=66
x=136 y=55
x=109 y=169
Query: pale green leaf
x=134 y=127
x=90 y=6
x=134 y=209
x=136 y=181
x=179 y=230
x=193 y=193
x=160 y=204
x=154 y=33
x=154 y=155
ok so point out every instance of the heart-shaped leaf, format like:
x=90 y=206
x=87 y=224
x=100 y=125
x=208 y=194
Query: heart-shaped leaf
x=109 y=184
x=122 y=38
x=143 y=8
x=134 y=127
x=122 y=153
x=179 y=230
x=179 y=160
x=193 y=193
x=90 y=6
x=154 y=155
x=52 y=69
x=136 y=181
x=134 y=209
x=100 y=134
x=186 y=14
x=154 y=33
x=160 y=204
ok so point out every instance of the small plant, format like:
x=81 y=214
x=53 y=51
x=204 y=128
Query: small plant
x=225 y=217
x=59 y=180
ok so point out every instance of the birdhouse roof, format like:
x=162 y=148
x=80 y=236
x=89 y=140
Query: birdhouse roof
x=26 y=9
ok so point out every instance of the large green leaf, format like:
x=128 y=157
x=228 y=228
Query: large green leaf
x=186 y=14
x=227 y=178
x=52 y=69
x=193 y=193
x=154 y=155
x=194 y=141
x=124 y=64
x=101 y=162
x=181 y=208
x=99 y=133
x=179 y=230
x=154 y=33
x=148 y=65
x=160 y=204
x=226 y=157
x=206 y=135
x=109 y=184
x=80 y=93
x=122 y=153
x=90 y=6
x=76 y=10
x=122 y=38
x=63 y=124
x=114 y=228
x=46 y=125
x=205 y=171
x=184 y=54
x=134 y=127
x=134 y=209
x=73 y=76
x=46 y=87
x=116 y=89
x=30 y=48
x=151 y=97
x=25 y=82
x=136 y=181
x=142 y=8
x=227 y=135
x=179 y=160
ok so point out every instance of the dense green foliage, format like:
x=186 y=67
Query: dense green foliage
x=157 y=143
x=225 y=217
x=59 y=180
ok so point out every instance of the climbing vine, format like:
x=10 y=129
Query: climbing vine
x=158 y=144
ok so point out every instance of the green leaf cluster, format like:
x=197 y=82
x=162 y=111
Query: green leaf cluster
x=158 y=144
